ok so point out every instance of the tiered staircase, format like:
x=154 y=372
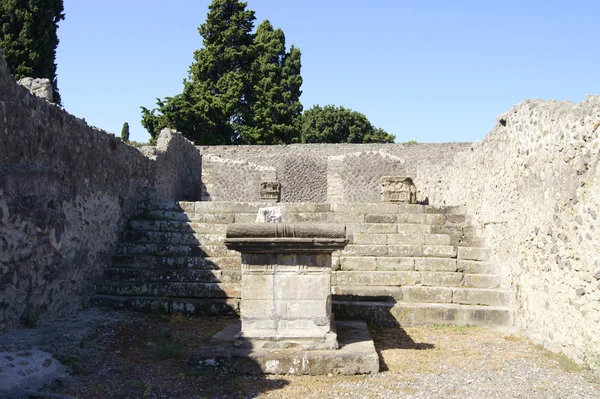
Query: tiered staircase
x=404 y=264
x=167 y=263
x=423 y=265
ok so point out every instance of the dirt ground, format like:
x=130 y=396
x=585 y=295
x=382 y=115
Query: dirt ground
x=132 y=355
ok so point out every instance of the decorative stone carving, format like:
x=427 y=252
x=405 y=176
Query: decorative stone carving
x=286 y=287
x=270 y=191
x=398 y=189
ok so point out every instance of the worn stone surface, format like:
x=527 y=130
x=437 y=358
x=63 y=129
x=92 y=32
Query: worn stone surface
x=356 y=355
x=39 y=87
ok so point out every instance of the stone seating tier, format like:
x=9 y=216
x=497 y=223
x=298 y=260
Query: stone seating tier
x=404 y=263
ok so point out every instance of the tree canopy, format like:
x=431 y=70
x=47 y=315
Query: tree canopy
x=28 y=38
x=331 y=124
x=125 y=132
x=243 y=87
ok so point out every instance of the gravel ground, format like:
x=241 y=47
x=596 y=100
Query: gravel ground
x=130 y=355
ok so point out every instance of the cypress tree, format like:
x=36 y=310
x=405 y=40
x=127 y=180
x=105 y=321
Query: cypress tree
x=28 y=38
x=275 y=95
x=125 y=132
x=213 y=107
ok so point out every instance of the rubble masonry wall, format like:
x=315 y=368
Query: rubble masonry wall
x=65 y=191
x=533 y=189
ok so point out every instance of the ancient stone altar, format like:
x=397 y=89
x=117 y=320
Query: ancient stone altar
x=398 y=189
x=286 y=291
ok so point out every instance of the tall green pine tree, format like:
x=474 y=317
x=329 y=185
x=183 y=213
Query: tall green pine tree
x=28 y=38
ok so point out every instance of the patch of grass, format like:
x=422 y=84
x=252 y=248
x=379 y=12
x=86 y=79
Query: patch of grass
x=562 y=361
x=167 y=347
x=411 y=142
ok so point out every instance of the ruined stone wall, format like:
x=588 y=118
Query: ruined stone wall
x=315 y=173
x=533 y=187
x=65 y=190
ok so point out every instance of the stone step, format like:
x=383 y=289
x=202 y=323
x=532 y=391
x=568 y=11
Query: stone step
x=189 y=306
x=414 y=239
x=405 y=278
x=391 y=313
x=160 y=214
x=176 y=226
x=417 y=293
x=170 y=289
x=134 y=248
x=176 y=262
x=171 y=275
x=172 y=237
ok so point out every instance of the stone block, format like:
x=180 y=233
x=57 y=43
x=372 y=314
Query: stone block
x=455 y=219
x=410 y=208
x=346 y=217
x=412 y=218
x=187 y=206
x=436 y=219
x=257 y=287
x=436 y=264
x=414 y=228
x=367 y=293
x=204 y=207
x=487 y=316
x=385 y=218
x=439 y=251
x=303 y=287
x=427 y=294
x=437 y=239
x=305 y=217
x=210 y=228
x=469 y=253
x=363 y=263
x=380 y=228
x=365 y=250
x=437 y=229
x=245 y=218
x=395 y=278
x=395 y=263
x=405 y=251
x=441 y=279
x=475 y=267
x=365 y=238
x=365 y=208
x=256 y=308
x=474 y=296
x=481 y=281
x=212 y=218
x=436 y=314
x=405 y=239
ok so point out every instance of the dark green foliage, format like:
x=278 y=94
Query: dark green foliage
x=275 y=95
x=242 y=88
x=214 y=104
x=125 y=132
x=28 y=38
x=330 y=124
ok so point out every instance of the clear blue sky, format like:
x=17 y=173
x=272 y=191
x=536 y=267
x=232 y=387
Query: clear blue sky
x=431 y=71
